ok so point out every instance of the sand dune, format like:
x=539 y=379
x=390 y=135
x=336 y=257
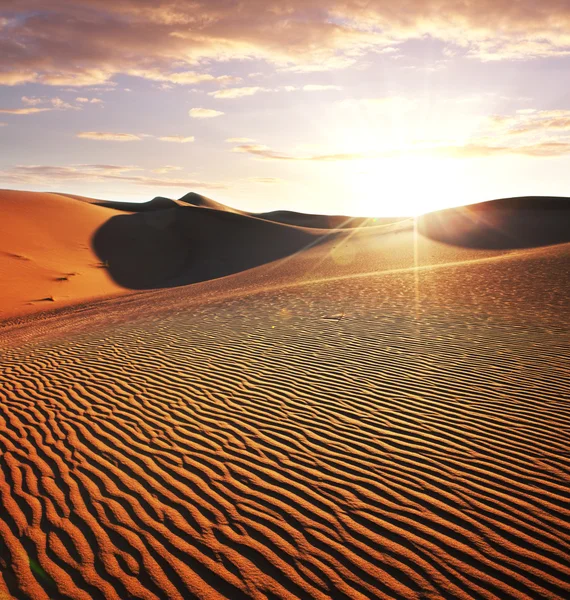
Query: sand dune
x=286 y=217
x=367 y=413
x=505 y=223
x=56 y=249
x=46 y=257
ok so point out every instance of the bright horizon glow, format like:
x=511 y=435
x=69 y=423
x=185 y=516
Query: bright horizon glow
x=271 y=109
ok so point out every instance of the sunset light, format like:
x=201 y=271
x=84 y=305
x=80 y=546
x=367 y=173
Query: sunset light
x=329 y=108
x=284 y=299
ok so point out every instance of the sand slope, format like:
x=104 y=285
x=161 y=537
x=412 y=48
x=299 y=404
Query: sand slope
x=46 y=256
x=377 y=416
x=57 y=250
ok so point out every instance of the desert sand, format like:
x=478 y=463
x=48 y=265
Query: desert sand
x=198 y=402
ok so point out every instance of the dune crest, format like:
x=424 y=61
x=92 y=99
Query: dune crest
x=57 y=250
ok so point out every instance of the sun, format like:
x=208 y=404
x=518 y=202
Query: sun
x=404 y=186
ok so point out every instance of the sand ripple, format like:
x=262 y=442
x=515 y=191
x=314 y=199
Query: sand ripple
x=251 y=448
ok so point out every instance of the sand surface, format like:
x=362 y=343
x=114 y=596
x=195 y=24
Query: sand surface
x=369 y=413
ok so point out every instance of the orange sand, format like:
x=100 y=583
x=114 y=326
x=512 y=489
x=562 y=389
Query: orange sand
x=281 y=412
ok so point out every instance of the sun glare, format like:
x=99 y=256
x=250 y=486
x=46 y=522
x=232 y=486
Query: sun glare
x=405 y=186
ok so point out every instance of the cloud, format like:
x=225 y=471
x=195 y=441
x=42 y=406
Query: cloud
x=166 y=169
x=527 y=132
x=320 y=88
x=83 y=100
x=36 y=105
x=177 y=42
x=131 y=137
x=60 y=104
x=239 y=92
x=9 y=77
x=180 y=139
x=48 y=174
x=182 y=77
x=266 y=153
x=31 y=101
x=23 y=111
x=32 y=173
x=480 y=150
x=109 y=137
x=108 y=168
x=204 y=113
x=531 y=120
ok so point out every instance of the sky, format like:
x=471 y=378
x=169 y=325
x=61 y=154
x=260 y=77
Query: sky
x=358 y=107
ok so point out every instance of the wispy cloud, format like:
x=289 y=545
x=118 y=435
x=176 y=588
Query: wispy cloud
x=105 y=136
x=238 y=92
x=536 y=150
x=528 y=121
x=183 y=77
x=108 y=136
x=180 y=139
x=267 y=153
x=241 y=92
x=34 y=104
x=166 y=169
x=527 y=132
x=48 y=174
x=204 y=113
x=23 y=111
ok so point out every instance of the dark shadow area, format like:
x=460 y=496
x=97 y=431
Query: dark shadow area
x=509 y=223
x=185 y=244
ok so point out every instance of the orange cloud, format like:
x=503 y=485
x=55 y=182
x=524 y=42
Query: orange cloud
x=146 y=38
x=23 y=111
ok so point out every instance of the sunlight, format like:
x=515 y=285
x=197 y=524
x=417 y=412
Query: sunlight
x=404 y=186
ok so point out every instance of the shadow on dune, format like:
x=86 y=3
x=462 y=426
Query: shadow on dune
x=508 y=223
x=178 y=245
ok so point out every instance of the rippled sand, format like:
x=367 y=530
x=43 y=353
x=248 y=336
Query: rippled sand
x=339 y=424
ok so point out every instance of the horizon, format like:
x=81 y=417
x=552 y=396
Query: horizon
x=320 y=108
